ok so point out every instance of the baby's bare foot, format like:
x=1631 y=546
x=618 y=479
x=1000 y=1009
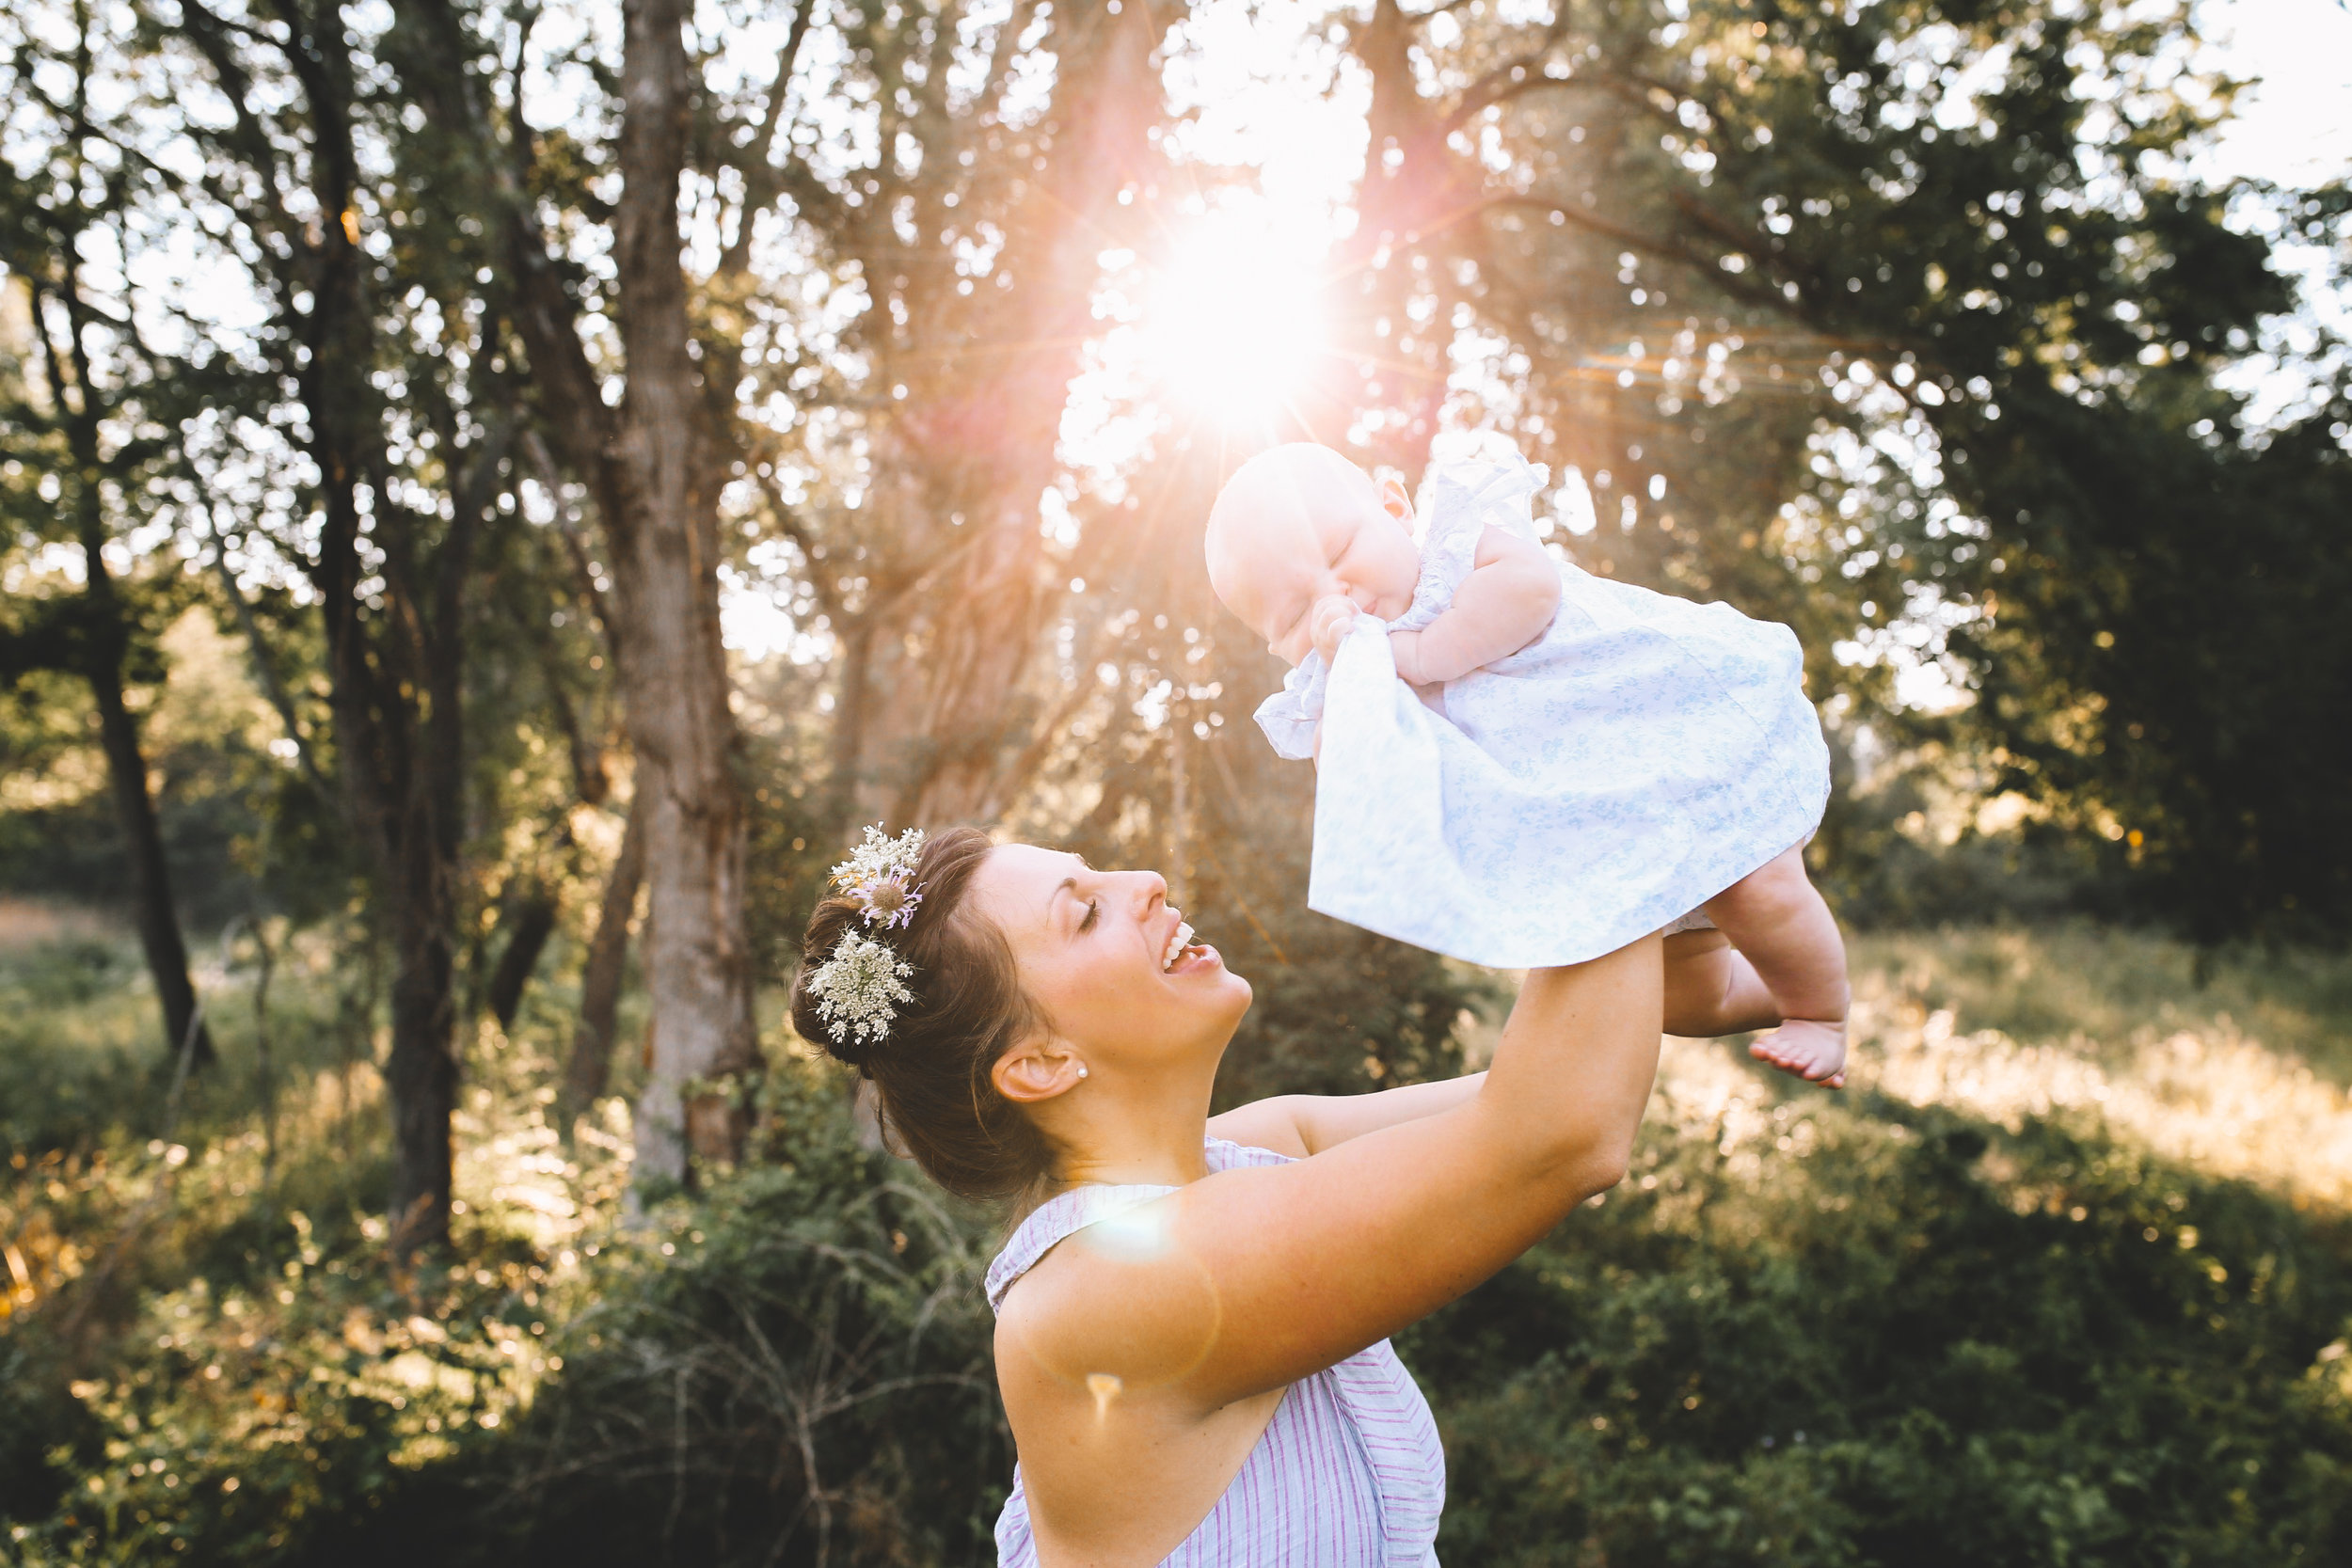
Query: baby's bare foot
x=1809 y=1048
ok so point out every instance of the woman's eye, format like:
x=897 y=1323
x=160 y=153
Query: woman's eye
x=1094 y=907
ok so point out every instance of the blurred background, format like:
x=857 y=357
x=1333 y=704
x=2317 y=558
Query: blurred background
x=496 y=493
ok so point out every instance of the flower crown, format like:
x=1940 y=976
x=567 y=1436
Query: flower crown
x=860 y=988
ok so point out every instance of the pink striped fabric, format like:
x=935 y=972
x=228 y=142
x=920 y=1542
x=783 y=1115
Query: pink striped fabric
x=1349 y=1473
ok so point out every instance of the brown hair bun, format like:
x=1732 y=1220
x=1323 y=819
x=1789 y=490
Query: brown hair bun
x=931 y=1072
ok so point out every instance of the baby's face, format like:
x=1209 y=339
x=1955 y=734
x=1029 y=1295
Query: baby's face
x=1281 y=542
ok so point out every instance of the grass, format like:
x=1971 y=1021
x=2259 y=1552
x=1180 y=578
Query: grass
x=2108 y=992
x=2243 y=1075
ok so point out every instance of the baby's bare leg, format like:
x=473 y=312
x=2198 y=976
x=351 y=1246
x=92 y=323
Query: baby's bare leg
x=1777 y=918
x=1712 y=989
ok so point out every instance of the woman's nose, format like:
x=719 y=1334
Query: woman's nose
x=1151 y=889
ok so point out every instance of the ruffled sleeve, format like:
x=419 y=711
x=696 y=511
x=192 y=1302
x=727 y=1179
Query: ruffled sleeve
x=1464 y=500
x=1223 y=1154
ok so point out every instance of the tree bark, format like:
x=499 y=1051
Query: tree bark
x=590 y=1068
x=673 y=662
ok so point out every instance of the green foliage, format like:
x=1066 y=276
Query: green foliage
x=801 y=1357
x=1824 y=1333
x=1811 y=1330
x=797 y=1363
x=1920 y=331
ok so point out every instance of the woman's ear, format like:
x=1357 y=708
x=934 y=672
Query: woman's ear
x=1397 y=501
x=1036 y=1070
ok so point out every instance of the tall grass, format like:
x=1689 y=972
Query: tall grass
x=2239 y=1070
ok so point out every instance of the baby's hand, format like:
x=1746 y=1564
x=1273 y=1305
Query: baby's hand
x=1330 y=618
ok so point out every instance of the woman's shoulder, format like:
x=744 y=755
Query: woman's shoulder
x=1065 y=1214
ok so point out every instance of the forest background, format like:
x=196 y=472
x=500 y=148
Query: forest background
x=496 y=493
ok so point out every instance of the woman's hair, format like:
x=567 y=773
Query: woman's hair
x=931 y=1073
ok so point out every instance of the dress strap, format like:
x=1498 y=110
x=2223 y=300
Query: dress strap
x=1057 y=1218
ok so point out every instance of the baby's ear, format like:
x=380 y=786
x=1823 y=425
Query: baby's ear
x=1397 y=501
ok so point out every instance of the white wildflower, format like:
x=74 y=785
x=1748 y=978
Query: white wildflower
x=880 y=859
x=877 y=875
x=859 y=988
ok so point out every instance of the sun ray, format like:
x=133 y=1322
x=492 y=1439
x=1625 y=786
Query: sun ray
x=1233 y=323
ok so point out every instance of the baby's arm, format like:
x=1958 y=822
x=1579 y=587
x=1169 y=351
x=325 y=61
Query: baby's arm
x=1504 y=604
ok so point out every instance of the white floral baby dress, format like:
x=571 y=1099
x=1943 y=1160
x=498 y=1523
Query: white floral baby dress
x=1641 y=756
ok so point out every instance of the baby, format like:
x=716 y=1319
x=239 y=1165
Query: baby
x=1569 y=763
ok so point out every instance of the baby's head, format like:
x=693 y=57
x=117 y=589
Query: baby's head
x=1301 y=522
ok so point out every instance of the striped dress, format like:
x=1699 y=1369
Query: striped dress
x=1348 y=1473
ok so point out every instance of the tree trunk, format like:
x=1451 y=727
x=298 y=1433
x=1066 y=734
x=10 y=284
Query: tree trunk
x=530 y=923
x=422 y=1072
x=590 y=1068
x=854 y=657
x=150 y=876
x=673 y=662
x=945 y=724
x=105 y=636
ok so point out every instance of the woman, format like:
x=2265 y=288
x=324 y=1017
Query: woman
x=1192 y=1319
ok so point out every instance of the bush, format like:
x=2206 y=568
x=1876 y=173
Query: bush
x=1812 y=1334
x=791 y=1365
x=1809 y=1330
x=794 y=1368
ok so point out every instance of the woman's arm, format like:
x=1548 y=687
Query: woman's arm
x=1504 y=604
x=1251 y=1279
x=1303 y=1124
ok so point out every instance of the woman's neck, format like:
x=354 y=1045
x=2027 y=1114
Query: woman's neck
x=1144 y=1133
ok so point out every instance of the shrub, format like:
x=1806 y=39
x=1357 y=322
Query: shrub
x=1817 y=1335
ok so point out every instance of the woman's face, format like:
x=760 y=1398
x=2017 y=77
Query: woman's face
x=1093 y=950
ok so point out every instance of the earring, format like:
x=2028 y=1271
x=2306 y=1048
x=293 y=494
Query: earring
x=1082 y=1070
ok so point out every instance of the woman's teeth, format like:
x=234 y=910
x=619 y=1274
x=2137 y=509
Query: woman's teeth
x=1176 y=945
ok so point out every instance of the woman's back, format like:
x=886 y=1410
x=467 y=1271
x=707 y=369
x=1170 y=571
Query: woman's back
x=1348 y=1472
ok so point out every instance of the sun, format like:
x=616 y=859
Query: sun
x=1234 y=324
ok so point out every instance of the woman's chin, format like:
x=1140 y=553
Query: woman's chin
x=1200 y=976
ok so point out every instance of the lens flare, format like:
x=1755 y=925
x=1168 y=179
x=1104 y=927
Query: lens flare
x=1234 y=322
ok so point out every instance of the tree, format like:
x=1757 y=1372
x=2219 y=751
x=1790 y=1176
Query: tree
x=900 y=421
x=402 y=492
x=647 y=463
x=83 y=433
x=1900 y=324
